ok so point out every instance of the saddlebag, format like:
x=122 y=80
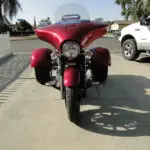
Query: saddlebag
x=100 y=61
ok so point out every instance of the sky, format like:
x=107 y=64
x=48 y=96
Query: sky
x=106 y=9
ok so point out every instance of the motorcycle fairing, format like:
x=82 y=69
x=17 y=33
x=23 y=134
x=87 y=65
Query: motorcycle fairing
x=82 y=31
x=71 y=77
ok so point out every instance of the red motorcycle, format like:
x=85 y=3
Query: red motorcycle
x=65 y=66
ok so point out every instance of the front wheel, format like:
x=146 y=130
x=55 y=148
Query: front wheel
x=72 y=104
x=129 y=49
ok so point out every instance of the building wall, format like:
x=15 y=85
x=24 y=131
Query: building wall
x=114 y=26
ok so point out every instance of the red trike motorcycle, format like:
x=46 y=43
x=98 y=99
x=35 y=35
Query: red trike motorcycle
x=65 y=65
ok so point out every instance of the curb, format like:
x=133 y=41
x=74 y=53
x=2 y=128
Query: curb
x=107 y=37
x=5 y=57
x=23 y=39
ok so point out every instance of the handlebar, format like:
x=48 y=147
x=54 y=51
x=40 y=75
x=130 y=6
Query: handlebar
x=71 y=16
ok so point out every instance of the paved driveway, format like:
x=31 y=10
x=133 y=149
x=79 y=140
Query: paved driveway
x=33 y=117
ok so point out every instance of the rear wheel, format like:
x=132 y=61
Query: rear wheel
x=101 y=74
x=104 y=73
x=42 y=75
x=62 y=88
x=72 y=104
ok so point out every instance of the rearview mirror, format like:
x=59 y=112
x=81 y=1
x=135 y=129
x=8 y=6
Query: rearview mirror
x=148 y=21
x=145 y=20
x=142 y=23
x=145 y=23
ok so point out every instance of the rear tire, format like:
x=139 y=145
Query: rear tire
x=129 y=49
x=101 y=74
x=104 y=73
x=62 y=88
x=72 y=104
x=42 y=75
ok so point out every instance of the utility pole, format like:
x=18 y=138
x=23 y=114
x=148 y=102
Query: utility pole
x=34 y=22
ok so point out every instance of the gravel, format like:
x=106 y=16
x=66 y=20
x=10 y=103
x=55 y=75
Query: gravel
x=10 y=69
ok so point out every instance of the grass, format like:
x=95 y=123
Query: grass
x=108 y=34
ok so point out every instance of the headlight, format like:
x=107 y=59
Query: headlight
x=71 y=49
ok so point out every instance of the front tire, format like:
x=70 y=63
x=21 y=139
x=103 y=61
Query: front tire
x=129 y=49
x=42 y=75
x=72 y=104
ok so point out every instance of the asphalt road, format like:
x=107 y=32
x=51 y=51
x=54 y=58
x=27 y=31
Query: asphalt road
x=27 y=46
x=34 y=117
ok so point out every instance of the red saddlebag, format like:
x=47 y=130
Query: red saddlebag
x=99 y=63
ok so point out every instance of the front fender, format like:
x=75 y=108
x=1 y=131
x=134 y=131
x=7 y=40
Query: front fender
x=102 y=56
x=71 y=77
x=41 y=57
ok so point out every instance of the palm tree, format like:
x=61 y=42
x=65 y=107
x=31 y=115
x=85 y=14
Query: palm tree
x=10 y=8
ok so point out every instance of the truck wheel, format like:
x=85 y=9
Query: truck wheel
x=72 y=105
x=42 y=75
x=130 y=50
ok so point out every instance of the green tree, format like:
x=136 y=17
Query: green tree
x=47 y=20
x=10 y=8
x=44 y=22
x=134 y=9
x=23 y=25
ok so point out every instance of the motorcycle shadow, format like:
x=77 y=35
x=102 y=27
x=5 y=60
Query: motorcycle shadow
x=123 y=107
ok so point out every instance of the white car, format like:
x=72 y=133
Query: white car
x=135 y=39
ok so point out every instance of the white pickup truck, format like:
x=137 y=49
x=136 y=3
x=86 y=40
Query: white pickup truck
x=135 y=39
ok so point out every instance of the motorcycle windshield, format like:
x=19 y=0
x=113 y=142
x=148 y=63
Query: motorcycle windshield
x=71 y=13
x=71 y=22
